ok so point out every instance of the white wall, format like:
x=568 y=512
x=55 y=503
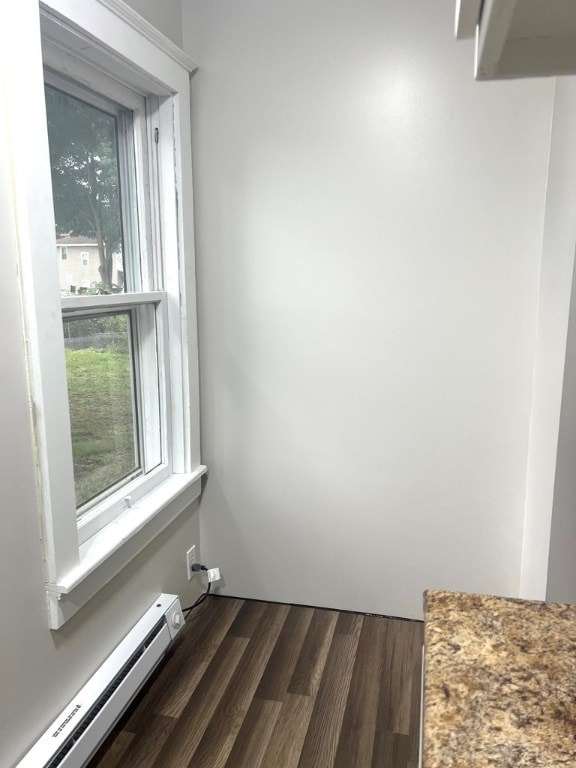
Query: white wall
x=546 y=542
x=369 y=223
x=165 y=15
x=558 y=260
x=561 y=582
x=40 y=670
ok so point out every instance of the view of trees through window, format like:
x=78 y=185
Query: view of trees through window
x=100 y=368
x=85 y=181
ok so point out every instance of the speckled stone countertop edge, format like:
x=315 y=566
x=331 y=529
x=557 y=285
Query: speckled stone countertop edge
x=500 y=682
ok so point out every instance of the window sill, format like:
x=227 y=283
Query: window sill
x=105 y=554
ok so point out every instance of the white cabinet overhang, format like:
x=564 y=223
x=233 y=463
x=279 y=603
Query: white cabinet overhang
x=519 y=38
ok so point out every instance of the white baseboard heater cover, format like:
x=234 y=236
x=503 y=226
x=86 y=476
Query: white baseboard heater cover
x=83 y=725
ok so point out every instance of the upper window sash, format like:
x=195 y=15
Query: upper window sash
x=136 y=162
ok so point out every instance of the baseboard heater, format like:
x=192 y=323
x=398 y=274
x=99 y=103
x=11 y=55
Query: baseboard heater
x=83 y=725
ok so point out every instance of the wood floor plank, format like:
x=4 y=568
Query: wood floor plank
x=247 y=619
x=323 y=734
x=285 y=745
x=310 y=664
x=149 y=743
x=396 y=679
x=391 y=750
x=111 y=755
x=177 y=680
x=397 y=737
x=347 y=624
x=417 y=643
x=254 y=735
x=206 y=634
x=359 y=725
x=196 y=716
x=280 y=668
x=218 y=739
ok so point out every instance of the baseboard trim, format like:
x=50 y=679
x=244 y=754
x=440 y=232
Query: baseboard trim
x=315 y=607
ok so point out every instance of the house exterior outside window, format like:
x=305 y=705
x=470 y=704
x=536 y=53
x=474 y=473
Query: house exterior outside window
x=82 y=266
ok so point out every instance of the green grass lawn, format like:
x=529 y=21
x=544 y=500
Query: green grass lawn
x=102 y=418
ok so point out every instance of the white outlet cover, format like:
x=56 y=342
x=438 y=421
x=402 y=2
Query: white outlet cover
x=190 y=560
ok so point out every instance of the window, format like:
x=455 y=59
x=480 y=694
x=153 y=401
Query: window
x=116 y=360
x=112 y=371
x=113 y=358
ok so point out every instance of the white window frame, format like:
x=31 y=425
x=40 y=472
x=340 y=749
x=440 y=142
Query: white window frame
x=145 y=303
x=109 y=36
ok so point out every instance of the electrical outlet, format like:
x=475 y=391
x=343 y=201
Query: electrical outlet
x=190 y=561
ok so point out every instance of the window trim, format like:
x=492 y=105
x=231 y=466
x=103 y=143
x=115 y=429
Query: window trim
x=121 y=44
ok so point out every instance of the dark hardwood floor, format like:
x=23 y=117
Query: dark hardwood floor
x=265 y=685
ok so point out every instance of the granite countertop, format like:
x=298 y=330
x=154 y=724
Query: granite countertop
x=500 y=682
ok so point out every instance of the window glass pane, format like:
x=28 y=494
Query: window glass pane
x=86 y=187
x=100 y=368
